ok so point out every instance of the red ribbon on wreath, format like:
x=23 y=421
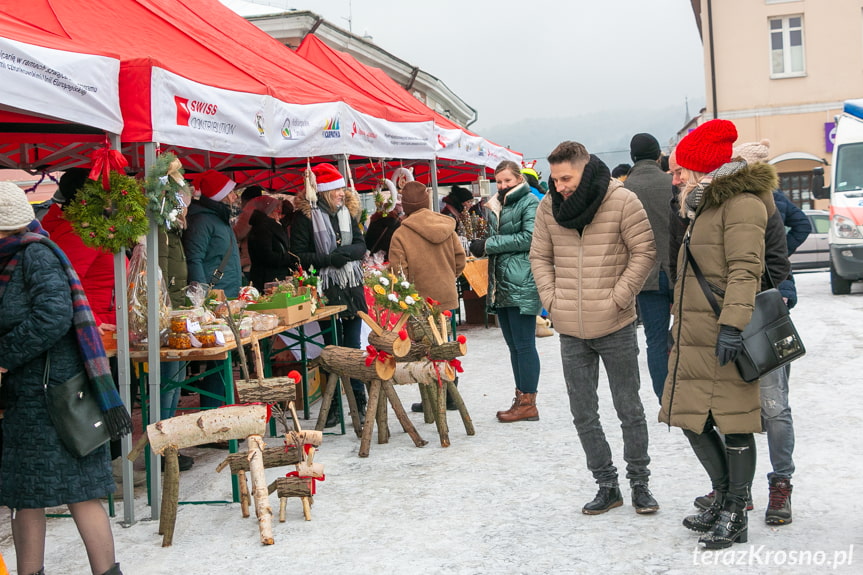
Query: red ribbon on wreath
x=104 y=160
x=372 y=354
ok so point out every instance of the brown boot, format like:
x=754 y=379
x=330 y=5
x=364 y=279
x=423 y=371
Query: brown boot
x=514 y=405
x=525 y=409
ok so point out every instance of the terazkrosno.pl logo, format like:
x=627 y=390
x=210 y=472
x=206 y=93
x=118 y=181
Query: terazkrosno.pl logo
x=332 y=129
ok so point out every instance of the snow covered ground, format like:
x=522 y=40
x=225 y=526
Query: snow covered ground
x=508 y=500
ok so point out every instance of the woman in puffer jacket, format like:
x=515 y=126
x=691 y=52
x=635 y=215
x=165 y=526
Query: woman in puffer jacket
x=512 y=292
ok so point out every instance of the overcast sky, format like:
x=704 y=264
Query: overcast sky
x=516 y=60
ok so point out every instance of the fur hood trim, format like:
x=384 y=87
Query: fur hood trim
x=758 y=179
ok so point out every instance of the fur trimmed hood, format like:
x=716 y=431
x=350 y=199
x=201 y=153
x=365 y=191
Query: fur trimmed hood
x=352 y=202
x=758 y=179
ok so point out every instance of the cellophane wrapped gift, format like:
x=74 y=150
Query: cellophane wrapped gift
x=138 y=300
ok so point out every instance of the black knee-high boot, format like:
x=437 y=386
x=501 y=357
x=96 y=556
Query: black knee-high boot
x=710 y=450
x=732 y=525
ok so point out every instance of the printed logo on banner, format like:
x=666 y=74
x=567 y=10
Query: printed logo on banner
x=356 y=131
x=259 y=122
x=441 y=141
x=198 y=115
x=481 y=151
x=332 y=128
x=294 y=129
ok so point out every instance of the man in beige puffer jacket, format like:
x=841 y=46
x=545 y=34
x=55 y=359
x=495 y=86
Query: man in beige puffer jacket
x=591 y=253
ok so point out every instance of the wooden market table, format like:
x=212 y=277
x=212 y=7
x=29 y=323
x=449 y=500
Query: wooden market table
x=222 y=356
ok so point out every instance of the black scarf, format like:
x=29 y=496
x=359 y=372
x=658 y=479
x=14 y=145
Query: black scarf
x=576 y=211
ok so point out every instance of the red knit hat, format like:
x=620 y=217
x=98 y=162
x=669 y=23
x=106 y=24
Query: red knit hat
x=707 y=147
x=328 y=178
x=214 y=185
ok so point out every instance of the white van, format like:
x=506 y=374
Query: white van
x=846 y=200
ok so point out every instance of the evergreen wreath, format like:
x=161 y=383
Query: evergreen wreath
x=111 y=219
x=163 y=187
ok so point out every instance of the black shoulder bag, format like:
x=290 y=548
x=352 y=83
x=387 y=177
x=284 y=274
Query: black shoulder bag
x=75 y=413
x=770 y=340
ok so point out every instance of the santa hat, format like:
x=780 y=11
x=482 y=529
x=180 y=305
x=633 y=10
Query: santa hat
x=707 y=147
x=214 y=185
x=753 y=152
x=328 y=178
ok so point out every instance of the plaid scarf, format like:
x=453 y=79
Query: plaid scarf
x=116 y=416
x=349 y=275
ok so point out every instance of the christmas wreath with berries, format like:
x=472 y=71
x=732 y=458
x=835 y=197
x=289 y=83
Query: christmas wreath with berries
x=164 y=188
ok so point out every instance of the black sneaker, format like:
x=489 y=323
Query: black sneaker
x=417 y=407
x=606 y=498
x=643 y=500
x=332 y=417
x=779 y=509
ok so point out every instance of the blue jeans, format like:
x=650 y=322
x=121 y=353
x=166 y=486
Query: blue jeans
x=519 y=332
x=171 y=371
x=655 y=308
x=619 y=354
x=776 y=421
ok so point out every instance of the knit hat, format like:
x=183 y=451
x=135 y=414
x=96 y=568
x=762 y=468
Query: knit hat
x=214 y=185
x=328 y=178
x=461 y=194
x=644 y=147
x=707 y=147
x=415 y=196
x=753 y=152
x=15 y=210
x=266 y=204
x=70 y=182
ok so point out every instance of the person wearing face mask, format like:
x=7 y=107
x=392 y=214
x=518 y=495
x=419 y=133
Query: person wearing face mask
x=325 y=236
x=511 y=290
x=592 y=251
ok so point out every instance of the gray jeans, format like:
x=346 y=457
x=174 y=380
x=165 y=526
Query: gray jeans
x=619 y=353
x=777 y=422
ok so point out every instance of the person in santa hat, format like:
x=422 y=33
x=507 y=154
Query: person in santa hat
x=328 y=239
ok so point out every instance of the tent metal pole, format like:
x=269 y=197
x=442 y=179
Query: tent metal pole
x=123 y=369
x=153 y=361
x=435 y=194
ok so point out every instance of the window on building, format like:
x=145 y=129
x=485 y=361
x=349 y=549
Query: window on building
x=797 y=187
x=786 y=47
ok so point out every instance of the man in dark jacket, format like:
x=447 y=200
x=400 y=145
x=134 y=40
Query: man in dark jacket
x=653 y=188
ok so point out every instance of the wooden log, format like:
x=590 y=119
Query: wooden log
x=391 y=343
x=245 y=498
x=308 y=468
x=269 y=390
x=291 y=487
x=138 y=448
x=303 y=437
x=447 y=351
x=403 y=320
x=170 y=497
x=233 y=422
x=401 y=415
x=283 y=503
x=452 y=389
x=440 y=417
x=434 y=331
x=353 y=408
x=307 y=508
x=351 y=363
x=443 y=325
x=422 y=371
x=366 y=441
x=326 y=401
x=273 y=457
x=373 y=325
x=263 y=511
x=381 y=416
x=429 y=400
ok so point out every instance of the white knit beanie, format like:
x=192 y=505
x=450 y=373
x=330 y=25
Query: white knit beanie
x=752 y=152
x=15 y=210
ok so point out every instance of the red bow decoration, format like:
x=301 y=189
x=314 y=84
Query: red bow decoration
x=372 y=354
x=313 y=479
x=447 y=313
x=104 y=160
x=432 y=302
x=456 y=365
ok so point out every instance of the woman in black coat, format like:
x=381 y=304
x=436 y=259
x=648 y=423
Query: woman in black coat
x=37 y=471
x=268 y=244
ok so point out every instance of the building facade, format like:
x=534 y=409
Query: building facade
x=780 y=70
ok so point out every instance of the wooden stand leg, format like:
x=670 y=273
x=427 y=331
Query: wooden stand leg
x=307 y=508
x=440 y=417
x=462 y=408
x=399 y=410
x=368 y=428
x=326 y=401
x=283 y=503
x=245 y=499
x=429 y=402
x=263 y=511
x=170 y=496
x=383 y=427
x=352 y=405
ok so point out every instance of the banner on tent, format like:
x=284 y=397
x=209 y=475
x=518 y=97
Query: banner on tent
x=78 y=88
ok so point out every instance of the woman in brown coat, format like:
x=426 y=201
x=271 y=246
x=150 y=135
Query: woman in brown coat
x=728 y=204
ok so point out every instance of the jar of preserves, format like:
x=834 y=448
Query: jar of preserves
x=179 y=324
x=207 y=338
x=179 y=341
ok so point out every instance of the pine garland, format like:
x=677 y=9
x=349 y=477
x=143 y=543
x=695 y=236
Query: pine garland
x=111 y=219
x=164 y=191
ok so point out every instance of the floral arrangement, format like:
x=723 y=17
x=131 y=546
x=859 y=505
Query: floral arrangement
x=111 y=218
x=394 y=293
x=164 y=188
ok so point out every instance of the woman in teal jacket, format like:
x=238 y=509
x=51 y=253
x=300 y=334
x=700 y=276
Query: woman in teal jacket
x=512 y=292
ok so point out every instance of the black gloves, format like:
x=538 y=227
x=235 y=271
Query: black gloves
x=728 y=344
x=338 y=260
x=477 y=248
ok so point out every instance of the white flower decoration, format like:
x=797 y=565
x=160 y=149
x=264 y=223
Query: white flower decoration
x=409 y=300
x=393 y=297
x=376 y=273
x=384 y=281
x=406 y=285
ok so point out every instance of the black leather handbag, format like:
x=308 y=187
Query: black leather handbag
x=770 y=340
x=75 y=413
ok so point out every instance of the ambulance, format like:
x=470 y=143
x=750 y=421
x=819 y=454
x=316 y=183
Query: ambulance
x=846 y=200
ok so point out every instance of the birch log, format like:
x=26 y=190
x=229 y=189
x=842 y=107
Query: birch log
x=263 y=511
x=234 y=422
x=422 y=372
